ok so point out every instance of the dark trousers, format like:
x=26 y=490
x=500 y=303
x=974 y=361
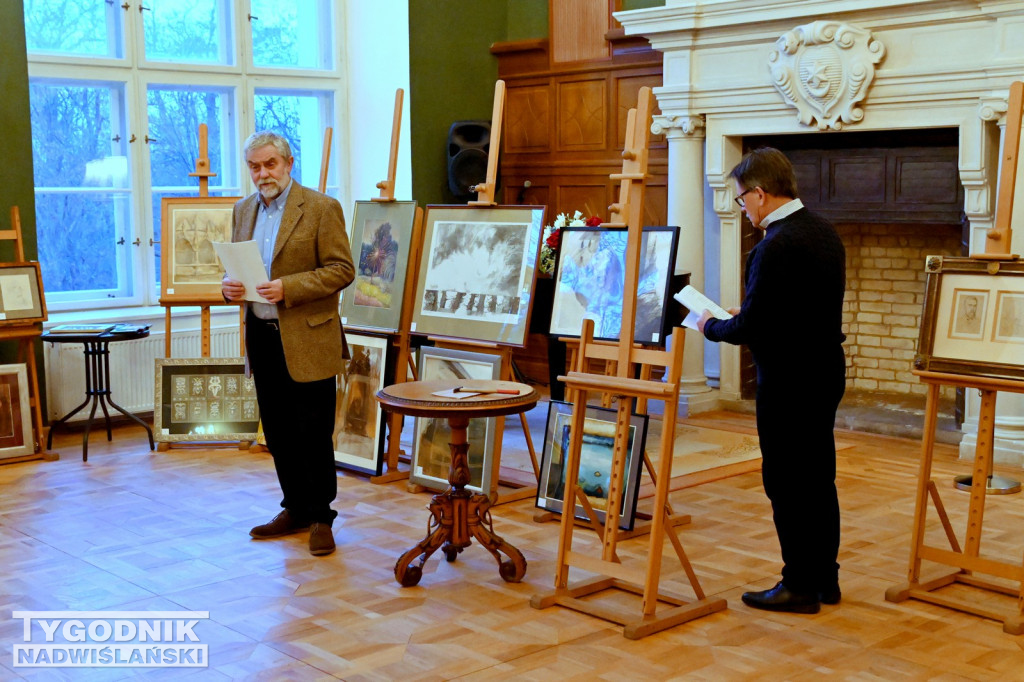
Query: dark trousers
x=298 y=422
x=795 y=420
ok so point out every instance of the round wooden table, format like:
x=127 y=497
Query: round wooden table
x=458 y=515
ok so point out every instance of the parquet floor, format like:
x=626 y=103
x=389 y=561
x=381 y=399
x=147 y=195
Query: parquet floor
x=135 y=530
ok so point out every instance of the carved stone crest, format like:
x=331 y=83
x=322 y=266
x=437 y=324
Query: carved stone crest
x=824 y=69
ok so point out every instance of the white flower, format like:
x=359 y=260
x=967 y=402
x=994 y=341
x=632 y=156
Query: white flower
x=577 y=220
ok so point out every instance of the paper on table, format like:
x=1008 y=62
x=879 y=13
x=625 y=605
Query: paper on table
x=451 y=393
x=242 y=261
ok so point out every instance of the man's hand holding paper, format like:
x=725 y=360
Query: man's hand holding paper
x=246 y=274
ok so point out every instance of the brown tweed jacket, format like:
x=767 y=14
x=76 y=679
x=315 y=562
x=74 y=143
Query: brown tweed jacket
x=313 y=260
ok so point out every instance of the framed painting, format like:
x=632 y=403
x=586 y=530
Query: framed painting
x=381 y=238
x=477 y=271
x=190 y=268
x=204 y=399
x=21 y=293
x=590 y=277
x=973 y=318
x=595 y=461
x=358 y=421
x=431 y=457
x=15 y=415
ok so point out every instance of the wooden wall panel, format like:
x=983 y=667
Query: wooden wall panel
x=527 y=119
x=589 y=199
x=577 y=30
x=627 y=87
x=582 y=115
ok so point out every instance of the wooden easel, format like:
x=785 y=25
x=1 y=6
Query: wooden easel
x=26 y=335
x=612 y=574
x=400 y=340
x=967 y=560
x=485 y=190
x=204 y=303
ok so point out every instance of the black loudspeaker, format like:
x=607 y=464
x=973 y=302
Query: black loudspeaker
x=468 y=145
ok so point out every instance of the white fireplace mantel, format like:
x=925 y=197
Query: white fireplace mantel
x=947 y=63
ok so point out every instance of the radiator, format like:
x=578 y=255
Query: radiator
x=132 y=369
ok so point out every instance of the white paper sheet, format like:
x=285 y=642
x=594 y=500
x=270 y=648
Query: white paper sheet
x=242 y=261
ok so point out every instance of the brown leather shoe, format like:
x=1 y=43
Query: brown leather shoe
x=282 y=524
x=321 y=539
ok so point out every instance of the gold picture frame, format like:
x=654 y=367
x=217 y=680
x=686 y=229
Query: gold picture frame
x=973 y=318
x=189 y=267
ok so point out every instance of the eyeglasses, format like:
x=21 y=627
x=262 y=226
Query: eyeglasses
x=740 y=201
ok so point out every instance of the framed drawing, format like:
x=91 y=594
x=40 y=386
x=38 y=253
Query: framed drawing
x=358 y=432
x=431 y=457
x=595 y=461
x=15 y=416
x=590 y=276
x=973 y=318
x=21 y=293
x=190 y=269
x=477 y=272
x=204 y=399
x=381 y=237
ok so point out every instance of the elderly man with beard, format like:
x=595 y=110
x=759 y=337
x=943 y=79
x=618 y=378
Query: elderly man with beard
x=294 y=340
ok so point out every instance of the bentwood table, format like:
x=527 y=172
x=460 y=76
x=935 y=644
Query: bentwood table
x=97 y=380
x=458 y=515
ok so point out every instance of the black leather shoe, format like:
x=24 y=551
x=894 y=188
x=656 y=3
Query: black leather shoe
x=781 y=598
x=282 y=524
x=831 y=595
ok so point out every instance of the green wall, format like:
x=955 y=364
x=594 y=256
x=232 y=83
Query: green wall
x=16 y=170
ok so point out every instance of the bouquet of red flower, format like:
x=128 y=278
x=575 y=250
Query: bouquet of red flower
x=553 y=237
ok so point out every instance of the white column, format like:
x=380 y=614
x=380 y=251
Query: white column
x=979 y=178
x=686 y=187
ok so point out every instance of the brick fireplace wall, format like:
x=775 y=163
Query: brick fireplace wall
x=885 y=283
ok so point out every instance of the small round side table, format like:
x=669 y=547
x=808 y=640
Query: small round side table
x=458 y=515
x=97 y=381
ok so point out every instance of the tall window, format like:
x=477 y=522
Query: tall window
x=118 y=92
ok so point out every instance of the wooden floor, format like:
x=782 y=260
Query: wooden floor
x=136 y=530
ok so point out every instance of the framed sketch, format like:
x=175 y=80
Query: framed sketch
x=431 y=456
x=190 y=268
x=381 y=237
x=21 y=293
x=590 y=277
x=477 y=271
x=595 y=461
x=203 y=400
x=15 y=415
x=973 y=318
x=358 y=421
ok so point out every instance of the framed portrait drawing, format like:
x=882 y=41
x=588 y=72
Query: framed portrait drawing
x=973 y=318
x=381 y=237
x=358 y=420
x=15 y=416
x=590 y=277
x=431 y=456
x=595 y=461
x=204 y=399
x=190 y=268
x=477 y=271
x=21 y=293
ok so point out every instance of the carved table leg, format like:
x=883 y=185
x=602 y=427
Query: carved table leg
x=480 y=526
x=439 y=530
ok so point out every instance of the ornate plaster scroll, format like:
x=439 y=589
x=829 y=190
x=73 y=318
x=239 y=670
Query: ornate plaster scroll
x=824 y=69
